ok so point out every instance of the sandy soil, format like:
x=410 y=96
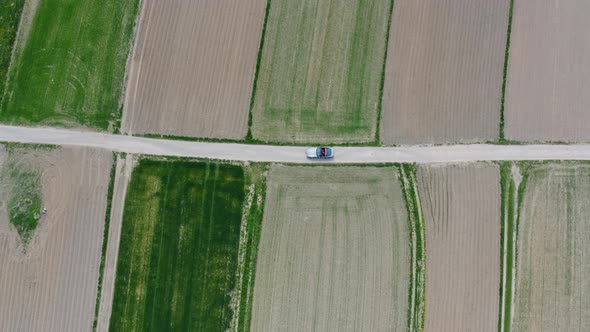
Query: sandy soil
x=443 y=77
x=548 y=78
x=122 y=177
x=334 y=253
x=52 y=287
x=192 y=68
x=461 y=206
x=552 y=290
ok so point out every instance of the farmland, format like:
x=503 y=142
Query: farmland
x=443 y=75
x=320 y=71
x=192 y=68
x=549 y=72
x=552 y=285
x=49 y=279
x=71 y=67
x=10 y=12
x=178 y=253
x=334 y=251
x=461 y=206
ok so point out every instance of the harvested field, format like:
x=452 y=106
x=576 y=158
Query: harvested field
x=549 y=72
x=50 y=284
x=443 y=77
x=178 y=253
x=193 y=67
x=553 y=246
x=334 y=252
x=461 y=206
x=320 y=72
x=70 y=69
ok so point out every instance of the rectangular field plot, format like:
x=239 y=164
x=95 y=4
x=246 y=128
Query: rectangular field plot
x=50 y=261
x=548 y=77
x=461 y=206
x=178 y=252
x=320 y=71
x=553 y=248
x=443 y=77
x=193 y=67
x=334 y=251
x=71 y=67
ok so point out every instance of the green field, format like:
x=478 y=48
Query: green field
x=70 y=71
x=178 y=257
x=10 y=11
x=319 y=77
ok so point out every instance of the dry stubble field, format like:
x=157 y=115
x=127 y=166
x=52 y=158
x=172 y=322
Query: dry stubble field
x=443 y=77
x=552 y=291
x=548 y=78
x=52 y=285
x=461 y=206
x=192 y=68
x=334 y=252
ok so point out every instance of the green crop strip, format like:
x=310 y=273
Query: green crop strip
x=505 y=71
x=249 y=134
x=10 y=13
x=382 y=84
x=416 y=312
x=508 y=191
x=179 y=247
x=71 y=68
x=255 y=176
x=105 y=239
x=24 y=203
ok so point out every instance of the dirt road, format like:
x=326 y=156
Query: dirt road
x=295 y=154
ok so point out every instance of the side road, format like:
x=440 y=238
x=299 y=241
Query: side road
x=293 y=154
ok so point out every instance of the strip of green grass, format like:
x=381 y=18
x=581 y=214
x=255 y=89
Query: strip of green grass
x=382 y=84
x=179 y=247
x=254 y=225
x=508 y=190
x=10 y=12
x=320 y=71
x=71 y=69
x=505 y=73
x=105 y=239
x=418 y=276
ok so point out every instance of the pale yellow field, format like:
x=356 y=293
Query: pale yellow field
x=334 y=252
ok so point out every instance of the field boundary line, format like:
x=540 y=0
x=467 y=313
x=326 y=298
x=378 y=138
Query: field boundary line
x=502 y=137
x=382 y=83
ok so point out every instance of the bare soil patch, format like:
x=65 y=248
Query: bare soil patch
x=51 y=286
x=553 y=246
x=193 y=66
x=334 y=251
x=548 y=78
x=461 y=206
x=443 y=76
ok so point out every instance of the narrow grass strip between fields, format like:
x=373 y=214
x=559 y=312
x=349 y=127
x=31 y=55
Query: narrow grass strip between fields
x=105 y=238
x=505 y=72
x=508 y=191
x=416 y=294
x=255 y=176
x=11 y=11
x=258 y=59
x=382 y=83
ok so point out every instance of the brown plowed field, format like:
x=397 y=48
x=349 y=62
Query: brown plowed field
x=334 y=252
x=553 y=258
x=461 y=206
x=443 y=77
x=192 y=68
x=548 y=78
x=52 y=286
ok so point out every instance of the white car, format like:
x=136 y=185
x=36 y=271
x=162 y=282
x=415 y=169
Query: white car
x=320 y=153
